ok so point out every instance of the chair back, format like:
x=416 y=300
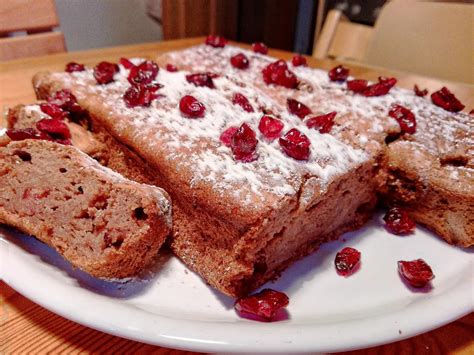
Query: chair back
x=36 y=18
x=430 y=38
x=342 y=39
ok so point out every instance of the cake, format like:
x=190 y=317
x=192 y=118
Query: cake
x=429 y=170
x=237 y=220
x=101 y=222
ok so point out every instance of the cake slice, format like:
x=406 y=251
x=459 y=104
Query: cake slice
x=430 y=173
x=89 y=138
x=102 y=223
x=238 y=219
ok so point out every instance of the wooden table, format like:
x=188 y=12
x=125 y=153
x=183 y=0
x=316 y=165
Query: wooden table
x=28 y=328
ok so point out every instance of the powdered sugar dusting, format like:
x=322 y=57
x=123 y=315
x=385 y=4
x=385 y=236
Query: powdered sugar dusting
x=366 y=117
x=194 y=143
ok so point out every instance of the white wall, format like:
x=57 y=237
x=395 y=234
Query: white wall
x=104 y=23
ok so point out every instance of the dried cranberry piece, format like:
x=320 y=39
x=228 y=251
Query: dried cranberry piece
x=346 y=261
x=338 y=73
x=298 y=60
x=127 y=63
x=73 y=67
x=104 y=72
x=357 y=85
x=216 y=41
x=141 y=95
x=242 y=101
x=297 y=108
x=270 y=127
x=323 y=123
x=66 y=100
x=417 y=272
x=471 y=112
x=239 y=61
x=226 y=136
x=279 y=74
x=55 y=128
x=405 y=118
x=260 y=47
x=54 y=111
x=144 y=73
x=171 y=68
x=419 y=92
x=244 y=144
x=25 y=133
x=381 y=88
x=397 y=221
x=295 y=144
x=264 y=304
x=446 y=99
x=191 y=107
x=201 y=79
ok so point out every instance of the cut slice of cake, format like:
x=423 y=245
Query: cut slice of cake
x=99 y=221
x=245 y=205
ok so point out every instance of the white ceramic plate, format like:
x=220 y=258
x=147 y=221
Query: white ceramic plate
x=174 y=308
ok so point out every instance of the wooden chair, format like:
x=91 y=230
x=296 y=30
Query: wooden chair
x=429 y=38
x=37 y=18
x=340 y=38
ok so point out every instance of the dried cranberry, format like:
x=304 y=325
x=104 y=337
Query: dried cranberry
x=298 y=60
x=264 y=304
x=54 y=111
x=226 y=136
x=357 y=85
x=126 y=63
x=471 y=112
x=278 y=73
x=270 y=127
x=446 y=99
x=323 y=123
x=260 y=47
x=104 y=72
x=25 y=133
x=239 y=61
x=57 y=129
x=381 y=88
x=244 y=144
x=295 y=144
x=141 y=95
x=338 y=73
x=417 y=272
x=144 y=73
x=397 y=221
x=191 y=107
x=242 y=101
x=216 y=41
x=419 y=92
x=66 y=100
x=346 y=261
x=297 y=108
x=171 y=68
x=73 y=67
x=405 y=118
x=201 y=79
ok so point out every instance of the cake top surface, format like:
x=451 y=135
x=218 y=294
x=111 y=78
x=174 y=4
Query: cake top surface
x=194 y=144
x=438 y=131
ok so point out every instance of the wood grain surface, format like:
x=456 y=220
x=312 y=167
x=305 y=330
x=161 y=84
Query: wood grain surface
x=26 y=328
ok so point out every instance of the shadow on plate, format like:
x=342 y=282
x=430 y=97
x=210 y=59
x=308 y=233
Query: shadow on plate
x=125 y=288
